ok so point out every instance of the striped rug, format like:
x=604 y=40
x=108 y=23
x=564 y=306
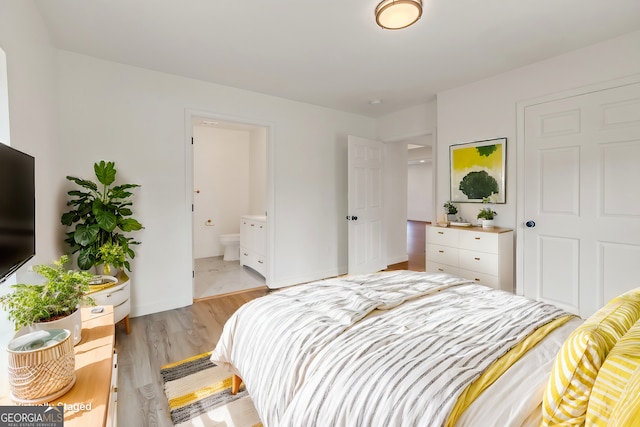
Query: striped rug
x=199 y=394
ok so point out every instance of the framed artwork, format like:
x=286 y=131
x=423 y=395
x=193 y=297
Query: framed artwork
x=478 y=170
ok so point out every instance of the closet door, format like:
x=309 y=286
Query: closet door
x=581 y=238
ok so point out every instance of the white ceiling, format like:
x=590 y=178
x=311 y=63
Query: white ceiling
x=330 y=52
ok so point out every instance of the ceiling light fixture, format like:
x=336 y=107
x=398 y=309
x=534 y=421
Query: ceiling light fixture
x=397 y=14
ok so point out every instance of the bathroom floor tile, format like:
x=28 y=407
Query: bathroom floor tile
x=214 y=276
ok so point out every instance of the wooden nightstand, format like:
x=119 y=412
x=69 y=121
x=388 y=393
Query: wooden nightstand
x=118 y=296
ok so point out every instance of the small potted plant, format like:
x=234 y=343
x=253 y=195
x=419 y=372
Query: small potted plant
x=486 y=214
x=112 y=256
x=451 y=210
x=54 y=304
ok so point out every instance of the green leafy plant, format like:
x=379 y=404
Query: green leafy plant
x=450 y=208
x=59 y=296
x=111 y=254
x=486 y=212
x=101 y=214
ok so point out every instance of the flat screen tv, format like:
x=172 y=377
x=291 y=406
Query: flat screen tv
x=17 y=210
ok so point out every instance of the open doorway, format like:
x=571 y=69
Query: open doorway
x=420 y=198
x=229 y=181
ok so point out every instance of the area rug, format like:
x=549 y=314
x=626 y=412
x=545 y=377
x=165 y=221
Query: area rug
x=199 y=394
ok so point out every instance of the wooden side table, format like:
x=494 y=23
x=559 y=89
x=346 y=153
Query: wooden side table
x=118 y=296
x=92 y=401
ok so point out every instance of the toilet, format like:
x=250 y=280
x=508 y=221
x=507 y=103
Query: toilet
x=231 y=244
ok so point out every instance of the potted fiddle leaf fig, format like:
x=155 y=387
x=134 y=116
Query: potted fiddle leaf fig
x=100 y=214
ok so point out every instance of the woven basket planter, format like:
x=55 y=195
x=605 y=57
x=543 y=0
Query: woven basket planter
x=41 y=366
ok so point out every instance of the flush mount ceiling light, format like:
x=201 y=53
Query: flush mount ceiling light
x=397 y=14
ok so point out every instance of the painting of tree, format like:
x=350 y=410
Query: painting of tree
x=478 y=170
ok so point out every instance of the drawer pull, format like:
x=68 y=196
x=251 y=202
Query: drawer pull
x=477 y=238
x=476 y=279
x=441 y=251
x=111 y=293
x=245 y=254
x=440 y=232
x=477 y=259
x=260 y=262
x=440 y=269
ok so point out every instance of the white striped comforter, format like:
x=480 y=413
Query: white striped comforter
x=310 y=356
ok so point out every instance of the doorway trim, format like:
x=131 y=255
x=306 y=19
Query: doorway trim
x=520 y=160
x=190 y=114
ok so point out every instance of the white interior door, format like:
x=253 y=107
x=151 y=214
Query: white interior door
x=581 y=241
x=365 y=206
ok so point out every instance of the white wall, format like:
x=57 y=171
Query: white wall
x=31 y=78
x=137 y=118
x=258 y=172
x=419 y=193
x=395 y=201
x=487 y=109
x=415 y=121
x=221 y=169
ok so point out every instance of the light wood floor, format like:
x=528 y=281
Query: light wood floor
x=169 y=336
x=161 y=338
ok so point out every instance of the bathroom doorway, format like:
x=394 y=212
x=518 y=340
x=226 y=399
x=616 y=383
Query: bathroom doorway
x=229 y=181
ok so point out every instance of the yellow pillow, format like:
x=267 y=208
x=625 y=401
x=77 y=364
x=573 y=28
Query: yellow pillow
x=576 y=367
x=621 y=363
x=626 y=413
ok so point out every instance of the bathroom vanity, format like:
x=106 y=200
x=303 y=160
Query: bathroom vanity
x=253 y=242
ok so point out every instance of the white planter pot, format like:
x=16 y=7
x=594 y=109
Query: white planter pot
x=487 y=223
x=73 y=323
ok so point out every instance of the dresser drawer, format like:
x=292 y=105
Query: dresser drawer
x=442 y=236
x=112 y=296
x=479 y=241
x=121 y=310
x=434 y=267
x=481 y=262
x=484 y=279
x=443 y=254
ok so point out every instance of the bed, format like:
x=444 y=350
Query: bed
x=405 y=348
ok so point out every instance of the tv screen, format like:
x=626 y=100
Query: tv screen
x=17 y=210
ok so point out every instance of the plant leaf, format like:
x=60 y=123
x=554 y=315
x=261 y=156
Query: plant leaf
x=105 y=172
x=85 y=235
x=86 y=259
x=84 y=183
x=68 y=218
x=129 y=224
x=106 y=220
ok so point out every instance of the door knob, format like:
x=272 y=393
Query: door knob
x=530 y=224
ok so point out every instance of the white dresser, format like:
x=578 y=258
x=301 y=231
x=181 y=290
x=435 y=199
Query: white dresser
x=481 y=254
x=253 y=242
